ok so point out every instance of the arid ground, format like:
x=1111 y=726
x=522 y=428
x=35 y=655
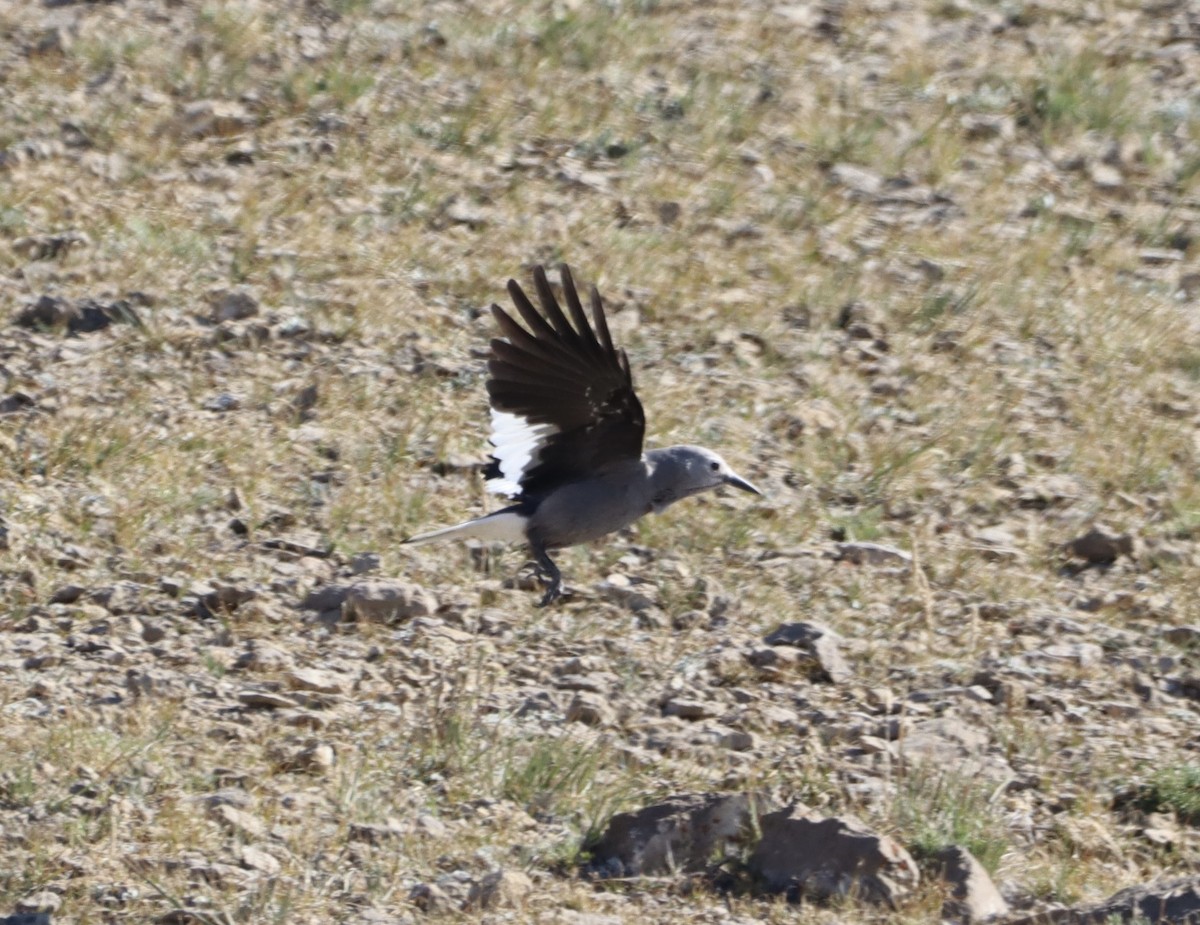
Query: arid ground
x=924 y=270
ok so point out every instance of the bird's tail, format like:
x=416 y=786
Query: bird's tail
x=506 y=526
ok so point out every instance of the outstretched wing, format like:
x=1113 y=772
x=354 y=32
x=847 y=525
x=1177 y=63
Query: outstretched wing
x=562 y=396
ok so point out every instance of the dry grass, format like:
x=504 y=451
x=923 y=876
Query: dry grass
x=394 y=165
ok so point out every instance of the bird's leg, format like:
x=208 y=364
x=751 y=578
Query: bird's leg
x=548 y=572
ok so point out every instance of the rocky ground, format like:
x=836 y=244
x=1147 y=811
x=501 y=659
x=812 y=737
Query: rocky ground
x=924 y=271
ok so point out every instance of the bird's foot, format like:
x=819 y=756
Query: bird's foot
x=551 y=581
x=547 y=572
x=553 y=593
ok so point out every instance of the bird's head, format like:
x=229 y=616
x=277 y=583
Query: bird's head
x=680 y=471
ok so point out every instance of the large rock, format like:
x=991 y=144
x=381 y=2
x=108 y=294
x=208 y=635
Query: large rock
x=683 y=833
x=808 y=856
x=1168 y=902
x=1174 y=901
x=973 y=896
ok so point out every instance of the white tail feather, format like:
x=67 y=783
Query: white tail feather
x=501 y=527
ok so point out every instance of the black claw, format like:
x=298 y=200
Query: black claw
x=553 y=593
x=549 y=574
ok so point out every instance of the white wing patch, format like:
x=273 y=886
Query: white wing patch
x=518 y=445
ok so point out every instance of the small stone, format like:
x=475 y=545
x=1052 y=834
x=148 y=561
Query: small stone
x=206 y=118
x=180 y=916
x=591 y=709
x=262 y=656
x=883 y=699
x=997 y=544
x=222 y=402
x=47 y=311
x=15 y=403
x=431 y=826
x=50 y=246
x=53 y=40
x=257 y=859
x=313 y=758
x=83 y=317
x=39 y=662
x=1119 y=710
x=690 y=709
x=633 y=595
x=266 y=699
x=983 y=126
x=376 y=833
x=466 y=213
x=1161 y=830
x=737 y=740
x=574 y=917
x=232 y=304
x=1106 y=177
x=688 y=619
x=668 y=212
x=311 y=547
x=377 y=600
x=774 y=658
x=47 y=901
x=240 y=822
x=501 y=889
x=67 y=594
x=119 y=598
x=1158 y=257
x=857 y=179
x=305 y=399
x=814 y=417
x=571 y=675
x=1100 y=546
x=872 y=554
x=875 y=745
x=429 y=897
x=316 y=680
x=1158 y=553
x=820 y=644
x=230 y=796
x=364 y=562
x=1084 y=654
x=1185 y=636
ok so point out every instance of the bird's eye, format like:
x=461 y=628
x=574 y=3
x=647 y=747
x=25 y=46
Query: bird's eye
x=714 y=466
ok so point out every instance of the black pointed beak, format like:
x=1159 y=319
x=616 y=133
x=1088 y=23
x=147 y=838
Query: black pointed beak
x=738 y=482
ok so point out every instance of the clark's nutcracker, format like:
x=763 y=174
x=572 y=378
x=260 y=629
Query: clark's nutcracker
x=567 y=429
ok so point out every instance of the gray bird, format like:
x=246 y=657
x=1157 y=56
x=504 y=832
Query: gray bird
x=567 y=429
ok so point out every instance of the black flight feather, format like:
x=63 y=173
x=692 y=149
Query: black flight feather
x=568 y=375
